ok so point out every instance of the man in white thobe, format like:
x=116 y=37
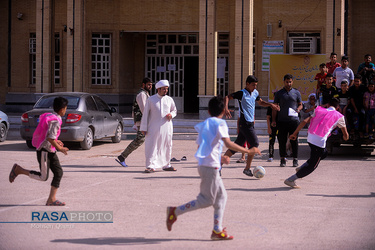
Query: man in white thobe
x=157 y=125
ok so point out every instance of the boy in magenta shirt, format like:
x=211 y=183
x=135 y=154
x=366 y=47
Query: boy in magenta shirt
x=45 y=140
x=318 y=133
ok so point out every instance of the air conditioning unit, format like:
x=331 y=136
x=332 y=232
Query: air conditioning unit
x=302 y=45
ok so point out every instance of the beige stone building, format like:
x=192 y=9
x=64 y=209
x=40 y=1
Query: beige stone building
x=203 y=47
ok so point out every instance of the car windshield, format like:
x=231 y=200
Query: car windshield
x=47 y=102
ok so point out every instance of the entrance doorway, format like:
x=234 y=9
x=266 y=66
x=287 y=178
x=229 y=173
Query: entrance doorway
x=191 y=100
x=174 y=57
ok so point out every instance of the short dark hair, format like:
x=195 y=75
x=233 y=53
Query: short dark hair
x=59 y=103
x=367 y=55
x=334 y=102
x=371 y=83
x=358 y=76
x=146 y=80
x=288 y=76
x=216 y=105
x=345 y=58
x=329 y=75
x=251 y=79
x=333 y=54
x=322 y=65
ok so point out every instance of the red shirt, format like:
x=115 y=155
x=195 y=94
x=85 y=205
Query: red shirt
x=332 y=68
x=321 y=79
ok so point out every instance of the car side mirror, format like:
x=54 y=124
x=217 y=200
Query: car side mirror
x=113 y=110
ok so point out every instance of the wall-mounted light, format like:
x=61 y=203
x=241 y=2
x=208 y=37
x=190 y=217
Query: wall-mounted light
x=71 y=31
x=280 y=23
x=122 y=33
x=65 y=28
x=19 y=16
x=269 y=30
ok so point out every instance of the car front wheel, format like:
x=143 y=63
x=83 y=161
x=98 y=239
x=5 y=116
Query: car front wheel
x=88 y=140
x=3 y=132
x=118 y=134
x=29 y=144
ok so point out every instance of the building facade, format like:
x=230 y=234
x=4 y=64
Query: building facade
x=203 y=47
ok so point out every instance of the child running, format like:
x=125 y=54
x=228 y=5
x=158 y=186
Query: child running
x=322 y=122
x=45 y=139
x=212 y=133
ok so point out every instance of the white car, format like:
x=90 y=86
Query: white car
x=4 y=126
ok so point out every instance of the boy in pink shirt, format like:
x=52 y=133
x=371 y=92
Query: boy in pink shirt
x=322 y=122
x=45 y=140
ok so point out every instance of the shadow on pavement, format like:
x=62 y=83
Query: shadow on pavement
x=167 y=177
x=279 y=189
x=371 y=195
x=15 y=147
x=21 y=205
x=120 y=241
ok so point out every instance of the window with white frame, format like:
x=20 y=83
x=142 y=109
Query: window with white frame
x=32 y=58
x=56 y=65
x=101 y=59
x=303 y=43
x=223 y=64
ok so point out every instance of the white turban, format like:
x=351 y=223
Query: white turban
x=162 y=83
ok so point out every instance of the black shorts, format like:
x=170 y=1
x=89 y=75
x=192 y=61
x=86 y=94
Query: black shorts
x=246 y=134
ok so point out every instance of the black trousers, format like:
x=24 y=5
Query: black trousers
x=316 y=155
x=271 y=143
x=47 y=161
x=286 y=129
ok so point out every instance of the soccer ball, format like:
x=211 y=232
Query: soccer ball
x=259 y=172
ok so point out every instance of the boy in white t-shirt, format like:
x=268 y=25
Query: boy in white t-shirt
x=213 y=133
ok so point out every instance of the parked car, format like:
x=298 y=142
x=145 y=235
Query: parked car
x=87 y=118
x=4 y=126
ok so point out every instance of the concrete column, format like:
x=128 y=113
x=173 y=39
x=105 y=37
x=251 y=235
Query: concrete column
x=340 y=22
x=44 y=36
x=207 y=54
x=335 y=13
x=74 y=50
x=243 y=47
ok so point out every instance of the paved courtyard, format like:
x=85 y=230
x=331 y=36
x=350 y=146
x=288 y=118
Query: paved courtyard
x=334 y=209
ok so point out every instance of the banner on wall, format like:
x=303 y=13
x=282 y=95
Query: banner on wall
x=268 y=48
x=302 y=67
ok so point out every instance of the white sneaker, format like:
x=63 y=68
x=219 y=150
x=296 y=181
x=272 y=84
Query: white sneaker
x=291 y=184
x=270 y=159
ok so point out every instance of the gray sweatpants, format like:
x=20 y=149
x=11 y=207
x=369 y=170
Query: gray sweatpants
x=212 y=193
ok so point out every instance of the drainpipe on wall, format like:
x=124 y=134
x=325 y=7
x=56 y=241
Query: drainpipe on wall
x=74 y=6
x=242 y=44
x=333 y=25
x=346 y=27
x=9 y=42
x=41 y=60
x=205 y=51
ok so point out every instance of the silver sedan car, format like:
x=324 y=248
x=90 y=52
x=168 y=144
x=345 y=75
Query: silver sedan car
x=87 y=118
x=4 y=126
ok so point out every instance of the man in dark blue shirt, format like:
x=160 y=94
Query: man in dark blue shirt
x=247 y=98
x=290 y=102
